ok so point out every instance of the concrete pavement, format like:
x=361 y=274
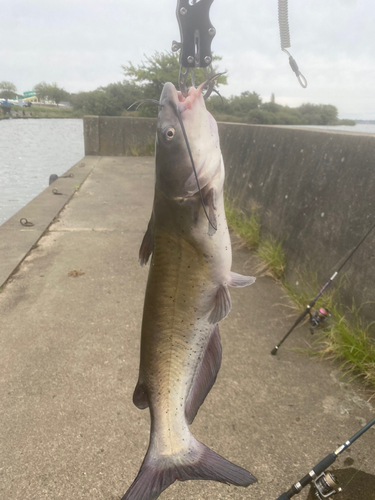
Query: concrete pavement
x=69 y=344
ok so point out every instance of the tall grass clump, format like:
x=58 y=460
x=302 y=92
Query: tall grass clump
x=345 y=337
x=272 y=253
x=248 y=228
x=309 y=286
x=147 y=149
x=349 y=342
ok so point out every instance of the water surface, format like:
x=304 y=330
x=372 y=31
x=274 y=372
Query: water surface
x=30 y=151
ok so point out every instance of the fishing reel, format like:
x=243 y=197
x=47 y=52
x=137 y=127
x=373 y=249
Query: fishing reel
x=325 y=486
x=318 y=317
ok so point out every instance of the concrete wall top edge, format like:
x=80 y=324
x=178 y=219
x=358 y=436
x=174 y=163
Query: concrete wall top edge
x=303 y=129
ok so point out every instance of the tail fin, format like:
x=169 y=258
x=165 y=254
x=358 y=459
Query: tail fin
x=202 y=463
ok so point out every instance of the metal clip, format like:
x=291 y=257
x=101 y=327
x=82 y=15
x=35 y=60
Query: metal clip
x=184 y=74
x=196 y=33
x=292 y=62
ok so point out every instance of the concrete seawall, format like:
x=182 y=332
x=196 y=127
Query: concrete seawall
x=16 y=239
x=313 y=189
x=116 y=136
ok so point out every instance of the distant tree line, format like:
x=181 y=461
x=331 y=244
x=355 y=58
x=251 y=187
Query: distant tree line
x=51 y=92
x=146 y=81
x=7 y=90
x=43 y=90
x=249 y=108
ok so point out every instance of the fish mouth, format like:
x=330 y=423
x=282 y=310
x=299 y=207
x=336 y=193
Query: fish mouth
x=194 y=95
x=170 y=95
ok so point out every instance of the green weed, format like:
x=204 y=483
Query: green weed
x=346 y=338
x=308 y=287
x=44 y=112
x=246 y=227
x=349 y=342
x=272 y=253
x=147 y=149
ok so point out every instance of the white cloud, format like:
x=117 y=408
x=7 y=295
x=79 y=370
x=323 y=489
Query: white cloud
x=81 y=45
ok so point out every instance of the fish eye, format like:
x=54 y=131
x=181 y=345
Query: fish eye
x=169 y=133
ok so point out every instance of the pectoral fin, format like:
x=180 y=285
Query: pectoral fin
x=140 y=396
x=147 y=245
x=239 y=281
x=222 y=305
x=210 y=200
x=205 y=376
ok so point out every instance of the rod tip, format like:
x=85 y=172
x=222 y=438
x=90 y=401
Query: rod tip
x=274 y=350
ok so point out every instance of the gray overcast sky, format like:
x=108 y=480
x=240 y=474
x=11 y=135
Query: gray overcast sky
x=81 y=45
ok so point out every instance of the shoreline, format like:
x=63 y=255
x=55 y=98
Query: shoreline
x=17 y=240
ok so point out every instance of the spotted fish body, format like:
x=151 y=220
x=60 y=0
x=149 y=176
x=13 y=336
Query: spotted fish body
x=186 y=297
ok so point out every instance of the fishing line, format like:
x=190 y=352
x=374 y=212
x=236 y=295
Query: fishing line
x=192 y=162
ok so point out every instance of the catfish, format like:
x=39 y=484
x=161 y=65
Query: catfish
x=187 y=295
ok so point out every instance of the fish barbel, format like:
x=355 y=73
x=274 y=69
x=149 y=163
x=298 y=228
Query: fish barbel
x=186 y=297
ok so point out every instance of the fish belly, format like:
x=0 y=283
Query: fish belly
x=175 y=332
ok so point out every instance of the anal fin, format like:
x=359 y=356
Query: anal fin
x=222 y=305
x=205 y=376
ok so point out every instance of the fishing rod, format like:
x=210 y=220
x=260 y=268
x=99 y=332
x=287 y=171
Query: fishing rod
x=325 y=484
x=312 y=303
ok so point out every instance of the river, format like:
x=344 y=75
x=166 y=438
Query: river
x=30 y=151
x=33 y=149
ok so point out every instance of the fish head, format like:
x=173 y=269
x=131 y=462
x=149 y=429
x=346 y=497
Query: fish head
x=183 y=123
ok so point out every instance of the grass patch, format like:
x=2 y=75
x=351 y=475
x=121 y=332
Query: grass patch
x=147 y=149
x=271 y=251
x=308 y=289
x=246 y=227
x=350 y=343
x=44 y=112
x=345 y=337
